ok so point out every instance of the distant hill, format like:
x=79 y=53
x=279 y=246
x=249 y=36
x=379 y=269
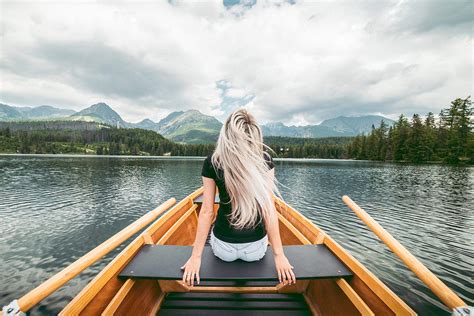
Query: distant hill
x=44 y=111
x=145 y=124
x=191 y=127
x=12 y=113
x=355 y=125
x=308 y=131
x=336 y=127
x=101 y=112
x=8 y=113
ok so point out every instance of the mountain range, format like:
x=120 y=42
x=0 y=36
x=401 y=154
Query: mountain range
x=8 y=113
x=191 y=126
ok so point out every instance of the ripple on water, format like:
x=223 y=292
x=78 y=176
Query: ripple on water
x=58 y=208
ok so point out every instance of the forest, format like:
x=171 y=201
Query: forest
x=104 y=141
x=448 y=138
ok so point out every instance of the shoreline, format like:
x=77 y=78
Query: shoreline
x=203 y=157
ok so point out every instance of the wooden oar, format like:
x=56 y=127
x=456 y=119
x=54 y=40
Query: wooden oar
x=46 y=288
x=444 y=293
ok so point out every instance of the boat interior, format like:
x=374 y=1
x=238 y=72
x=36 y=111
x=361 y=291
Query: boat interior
x=145 y=279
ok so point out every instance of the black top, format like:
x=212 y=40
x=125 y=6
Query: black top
x=223 y=229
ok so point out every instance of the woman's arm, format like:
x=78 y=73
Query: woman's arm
x=206 y=215
x=282 y=265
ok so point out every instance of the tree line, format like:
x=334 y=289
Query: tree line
x=104 y=141
x=326 y=148
x=448 y=138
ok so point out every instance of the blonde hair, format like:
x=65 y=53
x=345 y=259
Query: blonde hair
x=240 y=154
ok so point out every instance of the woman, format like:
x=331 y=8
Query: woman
x=244 y=174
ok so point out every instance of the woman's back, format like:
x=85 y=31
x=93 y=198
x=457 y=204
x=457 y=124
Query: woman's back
x=223 y=229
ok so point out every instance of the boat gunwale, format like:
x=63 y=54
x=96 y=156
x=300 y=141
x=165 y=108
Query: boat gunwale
x=380 y=289
x=93 y=287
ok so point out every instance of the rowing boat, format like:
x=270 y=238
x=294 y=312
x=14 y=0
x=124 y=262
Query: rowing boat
x=121 y=289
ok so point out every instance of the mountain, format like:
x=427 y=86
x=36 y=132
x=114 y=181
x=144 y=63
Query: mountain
x=100 y=112
x=44 y=111
x=9 y=113
x=336 y=127
x=190 y=126
x=145 y=124
x=308 y=131
x=355 y=125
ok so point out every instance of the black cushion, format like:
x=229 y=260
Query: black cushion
x=164 y=262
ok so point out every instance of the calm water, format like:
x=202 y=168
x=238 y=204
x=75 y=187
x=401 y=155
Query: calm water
x=54 y=209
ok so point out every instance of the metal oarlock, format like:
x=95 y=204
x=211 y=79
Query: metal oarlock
x=12 y=309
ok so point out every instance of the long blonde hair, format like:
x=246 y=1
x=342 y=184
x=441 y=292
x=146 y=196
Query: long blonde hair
x=240 y=154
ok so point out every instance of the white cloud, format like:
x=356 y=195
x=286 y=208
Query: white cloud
x=297 y=63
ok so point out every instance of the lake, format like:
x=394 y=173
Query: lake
x=53 y=209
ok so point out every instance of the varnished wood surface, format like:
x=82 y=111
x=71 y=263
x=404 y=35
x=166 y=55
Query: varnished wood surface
x=360 y=295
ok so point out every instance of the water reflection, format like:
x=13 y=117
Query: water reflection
x=54 y=209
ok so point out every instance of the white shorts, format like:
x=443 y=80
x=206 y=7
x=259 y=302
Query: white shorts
x=249 y=251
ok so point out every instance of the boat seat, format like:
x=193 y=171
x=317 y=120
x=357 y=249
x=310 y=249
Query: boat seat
x=162 y=262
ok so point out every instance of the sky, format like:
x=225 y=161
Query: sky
x=296 y=62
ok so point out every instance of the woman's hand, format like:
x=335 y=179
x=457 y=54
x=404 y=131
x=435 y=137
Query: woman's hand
x=191 y=270
x=284 y=269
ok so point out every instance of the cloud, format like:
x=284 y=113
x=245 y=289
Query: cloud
x=292 y=61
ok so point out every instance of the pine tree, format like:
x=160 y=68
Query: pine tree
x=400 y=136
x=430 y=136
x=415 y=142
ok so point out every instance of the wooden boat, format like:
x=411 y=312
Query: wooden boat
x=107 y=294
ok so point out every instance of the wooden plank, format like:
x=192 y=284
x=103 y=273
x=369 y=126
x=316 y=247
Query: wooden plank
x=142 y=299
x=313 y=307
x=159 y=301
x=289 y=234
x=147 y=239
x=169 y=286
x=355 y=298
x=330 y=299
x=234 y=289
x=304 y=225
x=160 y=227
x=177 y=225
x=299 y=287
x=185 y=235
x=320 y=238
x=118 y=298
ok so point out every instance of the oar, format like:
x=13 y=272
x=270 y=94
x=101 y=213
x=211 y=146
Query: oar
x=23 y=304
x=444 y=293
